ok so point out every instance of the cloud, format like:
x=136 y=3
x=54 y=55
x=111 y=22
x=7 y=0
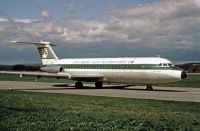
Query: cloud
x=3 y=20
x=165 y=24
x=25 y=20
x=168 y=25
x=162 y=24
x=45 y=14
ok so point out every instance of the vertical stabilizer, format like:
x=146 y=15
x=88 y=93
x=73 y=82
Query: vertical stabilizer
x=46 y=53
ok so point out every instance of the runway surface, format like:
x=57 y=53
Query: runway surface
x=159 y=93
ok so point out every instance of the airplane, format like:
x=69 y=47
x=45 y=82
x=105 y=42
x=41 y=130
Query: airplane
x=126 y=70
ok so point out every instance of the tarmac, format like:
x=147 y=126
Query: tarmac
x=139 y=92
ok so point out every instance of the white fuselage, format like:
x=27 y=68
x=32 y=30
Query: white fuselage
x=147 y=70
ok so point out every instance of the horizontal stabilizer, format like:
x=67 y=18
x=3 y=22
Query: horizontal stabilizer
x=34 y=43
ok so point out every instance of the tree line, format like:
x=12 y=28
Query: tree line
x=190 y=67
x=20 y=67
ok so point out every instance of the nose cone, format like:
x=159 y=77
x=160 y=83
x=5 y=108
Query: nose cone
x=183 y=75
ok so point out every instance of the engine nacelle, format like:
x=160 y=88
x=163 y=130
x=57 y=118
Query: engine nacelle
x=52 y=69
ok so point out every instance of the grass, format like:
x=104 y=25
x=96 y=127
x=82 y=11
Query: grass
x=193 y=80
x=42 y=111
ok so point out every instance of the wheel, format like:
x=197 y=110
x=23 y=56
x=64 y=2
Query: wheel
x=79 y=84
x=149 y=87
x=98 y=84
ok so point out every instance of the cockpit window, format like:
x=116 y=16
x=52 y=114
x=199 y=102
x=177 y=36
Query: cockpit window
x=165 y=65
x=171 y=65
x=159 y=65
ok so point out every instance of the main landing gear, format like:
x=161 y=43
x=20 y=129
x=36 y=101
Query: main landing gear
x=98 y=84
x=79 y=84
x=149 y=87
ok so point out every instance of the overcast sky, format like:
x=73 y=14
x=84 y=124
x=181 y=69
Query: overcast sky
x=101 y=28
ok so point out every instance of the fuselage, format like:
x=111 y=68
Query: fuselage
x=132 y=70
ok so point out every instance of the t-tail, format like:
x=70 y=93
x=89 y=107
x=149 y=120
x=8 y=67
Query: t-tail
x=46 y=53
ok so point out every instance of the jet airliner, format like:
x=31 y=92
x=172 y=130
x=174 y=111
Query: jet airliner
x=127 y=70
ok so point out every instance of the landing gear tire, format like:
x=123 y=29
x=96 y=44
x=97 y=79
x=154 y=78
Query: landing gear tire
x=78 y=85
x=149 y=87
x=98 y=84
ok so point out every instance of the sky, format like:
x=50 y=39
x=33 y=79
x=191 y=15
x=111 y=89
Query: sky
x=101 y=28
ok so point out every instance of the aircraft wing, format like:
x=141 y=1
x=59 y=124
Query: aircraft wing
x=38 y=74
x=64 y=75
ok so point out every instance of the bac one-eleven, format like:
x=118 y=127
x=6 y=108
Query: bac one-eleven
x=127 y=70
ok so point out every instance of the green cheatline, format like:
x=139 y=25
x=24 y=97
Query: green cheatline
x=115 y=66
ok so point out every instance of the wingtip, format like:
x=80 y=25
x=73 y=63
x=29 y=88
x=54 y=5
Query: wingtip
x=13 y=41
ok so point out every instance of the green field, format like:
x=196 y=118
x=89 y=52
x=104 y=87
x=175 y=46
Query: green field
x=42 y=111
x=193 y=80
